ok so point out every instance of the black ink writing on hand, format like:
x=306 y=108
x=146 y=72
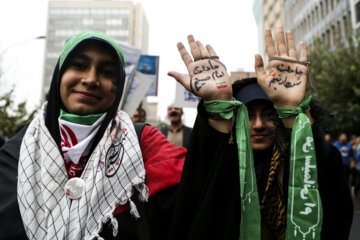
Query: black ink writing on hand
x=216 y=74
x=199 y=70
x=288 y=69
x=199 y=82
x=284 y=82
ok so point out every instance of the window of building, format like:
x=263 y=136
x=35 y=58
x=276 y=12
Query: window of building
x=326 y=7
x=114 y=22
x=334 y=35
x=357 y=12
x=88 y=22
x=339 y=28
x=328 y=38
x=321 y=10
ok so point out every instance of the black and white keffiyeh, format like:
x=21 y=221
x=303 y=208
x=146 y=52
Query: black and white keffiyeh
x=114 y=168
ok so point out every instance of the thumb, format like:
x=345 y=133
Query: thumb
x=259 y=68
x=183 y=80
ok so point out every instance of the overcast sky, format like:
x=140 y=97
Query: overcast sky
x=228 y=25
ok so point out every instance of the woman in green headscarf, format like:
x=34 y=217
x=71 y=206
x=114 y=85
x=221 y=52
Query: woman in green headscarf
x=80 y=160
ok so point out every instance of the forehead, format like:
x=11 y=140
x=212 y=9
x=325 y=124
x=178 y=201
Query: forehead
x=95 y=48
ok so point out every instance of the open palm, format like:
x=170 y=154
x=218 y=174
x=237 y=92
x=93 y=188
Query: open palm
x=208 y=76
x=286 y=82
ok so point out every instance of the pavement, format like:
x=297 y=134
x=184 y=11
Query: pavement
x=355 y=227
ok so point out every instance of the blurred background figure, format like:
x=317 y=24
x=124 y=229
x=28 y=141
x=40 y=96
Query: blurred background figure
x=327 y=137
x=347 y=153
x=139 y=115
x=177 y=133
x=356 y=149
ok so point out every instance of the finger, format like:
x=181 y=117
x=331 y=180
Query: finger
x=184 y=54
x=211 y=51
x=193 y=47
x=183 y=80
x=203 y=51
x=259 y=68
x=303 y=52
x=281 y=46
x=269 y=43
x=291 y=44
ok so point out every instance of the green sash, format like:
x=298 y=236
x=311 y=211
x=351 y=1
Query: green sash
x=304 y=211
x=250 y=210
x=304 y=214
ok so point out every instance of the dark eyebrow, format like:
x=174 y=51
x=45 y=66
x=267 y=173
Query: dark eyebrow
x=81 y=56
x=84 y=57
x=108 y=63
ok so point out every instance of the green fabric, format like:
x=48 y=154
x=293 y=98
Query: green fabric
x=304 y=212
x=287 y=112
x=84 y=120
x=76 y=39
x=250 y=210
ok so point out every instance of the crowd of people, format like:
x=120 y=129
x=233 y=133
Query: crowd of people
x=255 y=165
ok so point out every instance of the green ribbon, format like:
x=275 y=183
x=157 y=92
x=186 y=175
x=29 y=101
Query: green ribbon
x=250 y=227
x=304 y=209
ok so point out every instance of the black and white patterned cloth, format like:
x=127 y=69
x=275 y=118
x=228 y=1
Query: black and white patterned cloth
x=114 y=168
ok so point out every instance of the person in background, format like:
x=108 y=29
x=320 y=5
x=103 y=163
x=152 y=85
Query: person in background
x=347 y=154
x=328 y=138
x=177 y=133
x=139 y=116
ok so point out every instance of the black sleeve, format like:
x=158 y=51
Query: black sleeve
x=11 y=225
x=159 y=210
x=207 y=204
x=334 y=191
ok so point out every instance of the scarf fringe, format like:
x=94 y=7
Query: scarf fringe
x=143 y=192
x=143 y=197
x=133 y=210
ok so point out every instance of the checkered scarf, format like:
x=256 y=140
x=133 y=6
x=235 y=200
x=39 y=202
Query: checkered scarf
x=113 y=169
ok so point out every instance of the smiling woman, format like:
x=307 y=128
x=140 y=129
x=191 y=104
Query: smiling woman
x=88 y=84
x=90 y=159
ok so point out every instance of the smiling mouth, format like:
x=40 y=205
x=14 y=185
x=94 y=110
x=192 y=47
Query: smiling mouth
x=87 y=95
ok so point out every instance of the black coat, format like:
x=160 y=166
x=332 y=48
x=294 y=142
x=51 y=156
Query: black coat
x=11 y=226
x=208 y=198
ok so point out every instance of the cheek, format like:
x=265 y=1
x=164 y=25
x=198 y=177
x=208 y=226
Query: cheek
x=271 y=126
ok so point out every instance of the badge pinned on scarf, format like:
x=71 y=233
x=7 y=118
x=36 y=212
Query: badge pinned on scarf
x=75 y=188
x=115 y=154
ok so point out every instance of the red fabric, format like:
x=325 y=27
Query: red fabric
x=163 y=162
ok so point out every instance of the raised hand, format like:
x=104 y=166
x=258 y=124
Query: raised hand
x=208 y=76
x=286 y=82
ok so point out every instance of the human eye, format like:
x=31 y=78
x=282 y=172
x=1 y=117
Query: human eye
x=78 y=65
x=108 y=72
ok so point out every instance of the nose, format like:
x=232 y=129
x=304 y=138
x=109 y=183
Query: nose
x=258 y=121
x=90 y=77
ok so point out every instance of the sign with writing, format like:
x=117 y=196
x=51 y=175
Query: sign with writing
x=149 y=66
x=184 y=98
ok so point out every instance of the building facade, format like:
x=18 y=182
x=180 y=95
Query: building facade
x=121 y=20
x=268 y=14
x=328 y=19
x=257 y=11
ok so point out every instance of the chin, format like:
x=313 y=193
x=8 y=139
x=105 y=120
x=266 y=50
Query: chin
x=261 y=146
x=83 y=111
